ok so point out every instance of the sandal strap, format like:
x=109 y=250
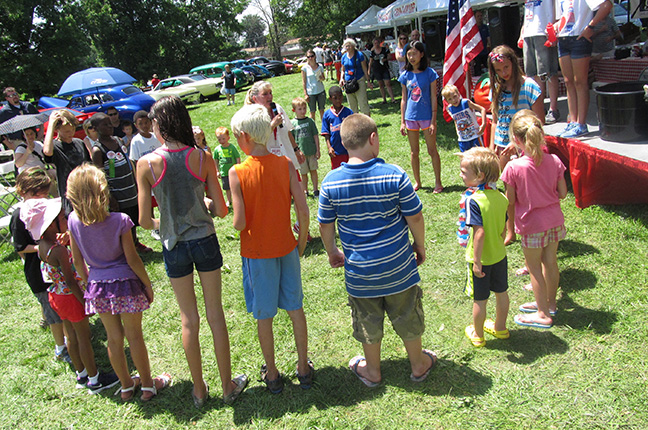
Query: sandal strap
x=150 y=389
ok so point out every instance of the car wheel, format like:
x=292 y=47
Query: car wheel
x=203 y=99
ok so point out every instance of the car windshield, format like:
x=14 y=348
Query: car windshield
x=197 y=77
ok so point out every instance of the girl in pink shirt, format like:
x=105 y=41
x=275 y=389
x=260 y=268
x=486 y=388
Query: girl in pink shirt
x=535 y=183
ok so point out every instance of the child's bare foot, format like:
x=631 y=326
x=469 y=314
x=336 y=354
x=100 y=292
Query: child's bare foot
x=417 y=186
x=426 y=369
x=437 y=189
x=533 y=320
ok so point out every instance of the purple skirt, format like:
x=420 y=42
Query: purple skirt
x=115 y=296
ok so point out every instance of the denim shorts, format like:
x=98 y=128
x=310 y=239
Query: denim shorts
x=316 y=101
x=577 y=49
x=272 y=283
x=204 y=253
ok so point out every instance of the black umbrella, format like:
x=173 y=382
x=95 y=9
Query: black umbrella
x=21 y=122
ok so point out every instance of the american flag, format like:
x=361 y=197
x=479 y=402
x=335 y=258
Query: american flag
x=463 y=43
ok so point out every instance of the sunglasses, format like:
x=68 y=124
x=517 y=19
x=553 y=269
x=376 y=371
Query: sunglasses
x=310 y=56
x=113 y=114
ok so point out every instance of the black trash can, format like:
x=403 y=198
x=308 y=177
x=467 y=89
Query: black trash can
x=622 y=111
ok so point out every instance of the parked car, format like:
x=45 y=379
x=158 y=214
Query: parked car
x=259 y=72
x=208 y=87
x=127 y=99
x=238 y=63
x=621 y=14
x=215 y=70
x=276 y=67
x=172 y=86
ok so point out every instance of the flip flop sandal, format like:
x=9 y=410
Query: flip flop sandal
x=489 y=327
x=437 y=190
x=474 y=339
x=527 y=287
x=532 y=307
x=422 y=378
x=198 y=402
x=164 y=381
x=534 y=324
x=241 y=382
x=353 y=365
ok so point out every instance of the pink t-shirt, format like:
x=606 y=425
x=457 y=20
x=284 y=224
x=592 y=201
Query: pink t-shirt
x=537 y=205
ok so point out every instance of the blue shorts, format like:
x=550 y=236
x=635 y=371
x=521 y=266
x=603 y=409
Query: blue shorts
x=230 y=91
x=496 y=280
x=204 y=253
x=577 y=49
x=272 y=283
x=465 y=146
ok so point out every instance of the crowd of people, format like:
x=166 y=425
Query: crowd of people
x=114 y=179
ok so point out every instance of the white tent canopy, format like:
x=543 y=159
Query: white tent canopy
x=404 y=10
x=366 y=22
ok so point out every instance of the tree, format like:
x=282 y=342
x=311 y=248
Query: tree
x=253 y=31
x=275 y=17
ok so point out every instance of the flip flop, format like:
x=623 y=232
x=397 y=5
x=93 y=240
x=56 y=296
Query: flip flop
x=528 y=287
x=353 y=365
x=522 y=271
x=421 y=378
x=437 y=190
x=532 y=307
x=534 y=324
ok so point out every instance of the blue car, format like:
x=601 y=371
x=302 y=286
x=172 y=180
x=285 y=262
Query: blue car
x=259 y=72
x=127 y=99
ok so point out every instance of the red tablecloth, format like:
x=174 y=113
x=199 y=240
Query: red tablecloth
x=611 y=70
x=601 y=177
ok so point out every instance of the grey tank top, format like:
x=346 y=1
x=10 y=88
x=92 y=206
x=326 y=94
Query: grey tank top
x=179 y=193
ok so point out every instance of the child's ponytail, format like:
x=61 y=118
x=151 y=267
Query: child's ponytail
x=526 y=127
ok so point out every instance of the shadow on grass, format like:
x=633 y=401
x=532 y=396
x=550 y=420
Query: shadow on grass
x=634 y=211
x=577 y=317
x=446 y=190
x=576 y=280
x=525 y=345
x=10 y=257
x=571 y=248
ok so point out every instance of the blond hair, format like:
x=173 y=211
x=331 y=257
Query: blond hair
x=255 y=91
x=356 y=130
x=87 y=190
x=254 y=121
x=67 y=118
x=298 y=101
x=526 y=127
x=482 y=160
x=448 y=90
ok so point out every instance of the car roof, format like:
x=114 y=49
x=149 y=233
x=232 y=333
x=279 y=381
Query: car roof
x=105 y=90
x=220 y=64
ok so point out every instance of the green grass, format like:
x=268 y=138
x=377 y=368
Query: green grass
x=589 y=371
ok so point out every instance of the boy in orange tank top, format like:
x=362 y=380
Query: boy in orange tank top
x=262 y=188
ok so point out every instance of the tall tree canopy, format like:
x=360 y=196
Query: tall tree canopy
x=44 y=41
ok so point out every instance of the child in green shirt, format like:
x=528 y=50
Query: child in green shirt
x=226 y=155
x=307 y=137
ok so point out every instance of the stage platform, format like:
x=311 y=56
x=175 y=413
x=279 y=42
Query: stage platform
x=602 y=172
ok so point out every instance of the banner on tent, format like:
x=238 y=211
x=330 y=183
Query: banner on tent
x=397 y=10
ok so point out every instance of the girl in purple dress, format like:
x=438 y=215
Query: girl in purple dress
x=118 y=287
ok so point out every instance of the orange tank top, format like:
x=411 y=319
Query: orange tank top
x=265 y=185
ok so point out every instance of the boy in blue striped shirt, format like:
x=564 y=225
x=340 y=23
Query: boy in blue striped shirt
x=375 y=206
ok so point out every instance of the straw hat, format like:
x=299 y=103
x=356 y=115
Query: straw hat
x=38 y=215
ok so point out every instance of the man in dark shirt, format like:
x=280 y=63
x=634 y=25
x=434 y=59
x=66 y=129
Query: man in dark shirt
x=14 y=107
x=116 y=122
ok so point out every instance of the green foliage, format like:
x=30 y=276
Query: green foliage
x=253 y=30
x=42 y=43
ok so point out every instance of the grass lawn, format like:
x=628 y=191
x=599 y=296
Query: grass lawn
x=588 y=371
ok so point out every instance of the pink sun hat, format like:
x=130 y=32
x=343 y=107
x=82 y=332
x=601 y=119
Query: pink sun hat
x=38 y=215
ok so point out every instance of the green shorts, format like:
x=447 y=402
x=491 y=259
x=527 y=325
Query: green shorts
x=405 y=311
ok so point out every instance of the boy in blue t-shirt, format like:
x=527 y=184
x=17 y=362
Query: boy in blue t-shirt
x=469 y=132
x=380 y=264
x=331 y=122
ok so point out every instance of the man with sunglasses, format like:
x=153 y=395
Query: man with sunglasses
x=14 y=107
x=115 y=121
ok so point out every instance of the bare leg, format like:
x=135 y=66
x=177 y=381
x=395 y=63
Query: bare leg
x=553 y=93
x=300 y=332
x=419 y=362
x=115 y=331
x=572 y=96
x=82 y=329
x=304 y=183
x=533 y=258
x=228 y=193
x=57 y=333
x=430 y=141
x=371 y=367
x=132 y=326
x=315 y=179
x=73 y=346
x=501 y=310
x=381 y=84
x=266 y=340
x=312 y=115
x=510 y=225
x=479 y=316
x=413 y=138
x=551 y=273
x=211 y=284
x=186 y=298
x=321 y=116
x=581 y=69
